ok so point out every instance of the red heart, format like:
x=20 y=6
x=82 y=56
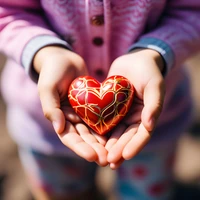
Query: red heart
x=101 y=105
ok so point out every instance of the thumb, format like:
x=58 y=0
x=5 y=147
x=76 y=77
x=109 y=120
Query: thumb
x=154 y=94
x=50 y=101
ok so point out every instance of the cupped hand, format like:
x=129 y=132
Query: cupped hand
x=143 y=68
x=57 y=68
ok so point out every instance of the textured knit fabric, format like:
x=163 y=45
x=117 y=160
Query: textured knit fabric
x=170 y=27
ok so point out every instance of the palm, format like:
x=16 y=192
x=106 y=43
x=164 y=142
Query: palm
x=133 y=133
x=57 y=68
x=79 y=137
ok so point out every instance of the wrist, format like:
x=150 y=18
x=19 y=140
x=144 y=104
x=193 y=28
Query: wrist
x=158 y=59
x=45 y=54
x=152 y=54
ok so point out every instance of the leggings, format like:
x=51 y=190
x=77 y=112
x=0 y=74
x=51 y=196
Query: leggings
x=147 y=176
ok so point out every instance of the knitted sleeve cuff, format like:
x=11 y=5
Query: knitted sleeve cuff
x=33 y=46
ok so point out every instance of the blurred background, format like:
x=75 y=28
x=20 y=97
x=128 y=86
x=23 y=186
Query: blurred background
x=187 y=166
x=12 y=181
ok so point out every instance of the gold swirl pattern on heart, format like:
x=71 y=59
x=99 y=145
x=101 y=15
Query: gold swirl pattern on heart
x=101 y=105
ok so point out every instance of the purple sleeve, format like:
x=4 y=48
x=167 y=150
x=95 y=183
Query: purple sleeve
x=177 y=36
x=21 y=21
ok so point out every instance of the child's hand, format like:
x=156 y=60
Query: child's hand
x=143 y=68
x=57 y=68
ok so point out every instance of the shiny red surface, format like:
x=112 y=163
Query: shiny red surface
x=101 y=105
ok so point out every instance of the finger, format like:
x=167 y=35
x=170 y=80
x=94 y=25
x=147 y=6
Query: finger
x=100 y=150
x=115 y=152
x=101 y=154
x=115 y=166
x=72 y=140
x=101 y=139
x=50 y=102
x=153 y=103
x=137 y=143
x=115 y=135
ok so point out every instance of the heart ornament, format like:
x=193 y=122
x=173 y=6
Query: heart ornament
x=101 y=105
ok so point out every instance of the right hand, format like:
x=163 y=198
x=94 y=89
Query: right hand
x=57 y=68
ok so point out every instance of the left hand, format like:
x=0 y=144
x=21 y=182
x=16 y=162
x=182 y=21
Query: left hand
x=143 y=68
